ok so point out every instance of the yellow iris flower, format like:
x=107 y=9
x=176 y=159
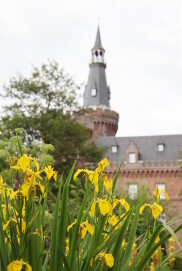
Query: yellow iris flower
x=71 y=225
x=23 y=225
x=13 y=194
x=25 y=190
x=67 y=247
x=103 y=164
x=84 y=227
x=4 y=210
x=122 y=202
x=113 y=220
x=55 y=175
x=157 y=192
x=171 y=250
x=92 y=211
x=107 y=184
x=80 y=171
x=107 y=259
x=23 y=163
x=18 y=265
x=49 y=171
x=7 y=223
x=30 y=177
x=151 y=268
x=94 y=175
x=1 y=180
x=2 y=186
x=105 y=207
x=155 y=208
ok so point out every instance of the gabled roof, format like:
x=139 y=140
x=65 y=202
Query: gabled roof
x=147 y=146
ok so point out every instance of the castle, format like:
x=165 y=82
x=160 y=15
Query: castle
x=146 y=160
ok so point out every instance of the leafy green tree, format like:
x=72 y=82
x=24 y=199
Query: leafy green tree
x=9 y=150
x=43 y=104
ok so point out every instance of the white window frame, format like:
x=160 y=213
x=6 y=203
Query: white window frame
x=93 y=92
x=162 y=187
x=160 y=147
x=132 y=191
x=114 y=148
x=132 y=157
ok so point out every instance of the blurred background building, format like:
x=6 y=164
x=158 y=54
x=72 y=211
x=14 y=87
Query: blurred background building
x=146 y=160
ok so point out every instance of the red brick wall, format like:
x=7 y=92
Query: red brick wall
x=100 y=122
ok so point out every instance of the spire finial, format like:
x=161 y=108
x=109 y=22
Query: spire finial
x=98 y=44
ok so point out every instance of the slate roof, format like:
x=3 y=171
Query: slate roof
x=97 y=80
x=98 y=44
x=147 y=146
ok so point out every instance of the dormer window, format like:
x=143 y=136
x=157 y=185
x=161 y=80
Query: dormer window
x=132 y=158
x=114 y=149
x=93 y=92
x=160 y=147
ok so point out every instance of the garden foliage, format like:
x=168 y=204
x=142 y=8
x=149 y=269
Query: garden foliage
x=102 y=237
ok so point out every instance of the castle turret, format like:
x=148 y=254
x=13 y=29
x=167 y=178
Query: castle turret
x=97 y=93
x=99 y=119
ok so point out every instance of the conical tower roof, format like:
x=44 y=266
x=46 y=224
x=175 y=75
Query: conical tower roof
x=98 y=44
x=97 y=92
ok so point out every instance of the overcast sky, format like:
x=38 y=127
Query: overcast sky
x=142 y=39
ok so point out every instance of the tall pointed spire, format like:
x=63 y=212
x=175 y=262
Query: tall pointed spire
x=98 y=44
x=97 y=93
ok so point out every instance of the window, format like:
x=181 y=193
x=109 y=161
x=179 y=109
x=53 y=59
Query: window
x=132 y=158
x=162 y=189
x=93 y=92
x=160 y=147
x=114 y=149
x=132 y=191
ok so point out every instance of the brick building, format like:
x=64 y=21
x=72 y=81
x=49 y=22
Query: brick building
x=147 y=160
